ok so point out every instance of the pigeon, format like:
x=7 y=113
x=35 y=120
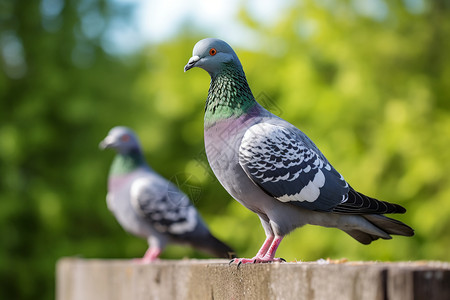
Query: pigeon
x=273 y=169
x=149 y=206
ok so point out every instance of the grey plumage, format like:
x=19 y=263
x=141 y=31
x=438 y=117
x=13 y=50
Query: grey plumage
x=273 y=168
x=149 y=206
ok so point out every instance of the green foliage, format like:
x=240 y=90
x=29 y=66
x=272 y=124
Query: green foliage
x=371 y=90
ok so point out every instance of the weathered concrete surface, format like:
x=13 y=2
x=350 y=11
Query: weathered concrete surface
x=81 y=279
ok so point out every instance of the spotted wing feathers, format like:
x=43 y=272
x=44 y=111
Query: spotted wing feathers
x=286 y=164
x=282 y=162
x=164 y=206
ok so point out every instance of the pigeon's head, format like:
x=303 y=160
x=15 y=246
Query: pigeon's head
x=122 y=139
x=210 y=54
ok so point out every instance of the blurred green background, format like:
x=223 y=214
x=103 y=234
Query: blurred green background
x=369 y=84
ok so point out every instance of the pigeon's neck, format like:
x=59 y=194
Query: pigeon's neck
x=126 y=163
x=229 y=95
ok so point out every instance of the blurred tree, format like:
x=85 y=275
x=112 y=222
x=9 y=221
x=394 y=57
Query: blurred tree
x=367 y=82
x=60 y=92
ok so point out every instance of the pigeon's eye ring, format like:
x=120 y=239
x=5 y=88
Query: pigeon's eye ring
x=125 y=138
x=212 y=51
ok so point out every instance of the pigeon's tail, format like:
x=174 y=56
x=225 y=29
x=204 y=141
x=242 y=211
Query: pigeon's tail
x=215 y=247
x=389 y=225
x=386 y=225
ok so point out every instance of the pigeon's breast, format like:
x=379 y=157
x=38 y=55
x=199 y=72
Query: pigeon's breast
x=118 y=182
x=222 y=141
x=119 y=203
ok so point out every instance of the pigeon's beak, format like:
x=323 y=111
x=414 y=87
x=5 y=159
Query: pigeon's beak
x=191 y=63
x=108 y=142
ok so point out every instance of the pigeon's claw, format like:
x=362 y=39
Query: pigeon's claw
x=267 y=259
x=256 y=260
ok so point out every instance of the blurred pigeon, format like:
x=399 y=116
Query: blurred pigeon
x=273 y=168
x=149 y=206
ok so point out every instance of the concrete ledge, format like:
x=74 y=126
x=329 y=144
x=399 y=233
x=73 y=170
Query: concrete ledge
x=85 y=279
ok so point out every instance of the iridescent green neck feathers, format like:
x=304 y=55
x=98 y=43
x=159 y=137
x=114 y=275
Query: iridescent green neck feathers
x=229 y=95
x=126 y=163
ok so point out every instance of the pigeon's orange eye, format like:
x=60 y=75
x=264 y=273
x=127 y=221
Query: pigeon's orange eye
x=125 y=138
x=212 y=51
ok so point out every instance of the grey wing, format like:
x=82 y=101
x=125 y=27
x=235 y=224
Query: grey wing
x=282 y=162
x=164 y=206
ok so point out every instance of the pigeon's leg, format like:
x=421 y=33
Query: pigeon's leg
x=269 y=236
x=259 y=255
x=150 y=255
x=266 y=254
x=264 y=247
x=270 y=254
x=156 y=246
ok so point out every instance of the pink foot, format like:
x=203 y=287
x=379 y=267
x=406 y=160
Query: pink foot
x=150 y=256
x=144 y=261
x=256 y=260
x=265 y=254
